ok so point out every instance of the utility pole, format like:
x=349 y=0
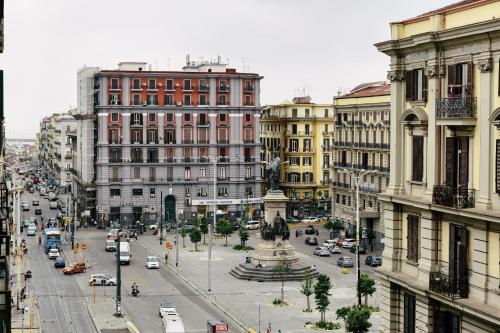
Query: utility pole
x=118 y=312
x=161 y=218
x=181 y=212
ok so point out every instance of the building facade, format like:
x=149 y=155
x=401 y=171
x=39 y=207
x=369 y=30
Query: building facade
x=441 y=266
x=301 y=134
x=64 y=123
x=361 y=143
x=153 y=135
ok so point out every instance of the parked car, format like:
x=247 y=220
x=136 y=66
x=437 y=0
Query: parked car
x=110 y=245
x=373 y=261
x=330 y=243
x=113 y=234
x=348 y=242
x=292 y=220
x=59 y=263
x=102 y=280
x=310 y=219
x=52 y=220
x=25 y=205
x=38 y=211
x=311 y=240
x=35 y=203
x=167 y=307
x=345 y=262
x=321 y=251
x=53 y=204
x=53 y=253
x=362 y=248
x=252 y=225
x=335 y=250
x=310 y=230
x=76 y=267
x=152 y=262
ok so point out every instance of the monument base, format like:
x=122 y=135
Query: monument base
x=274 y=253
x=295 y=272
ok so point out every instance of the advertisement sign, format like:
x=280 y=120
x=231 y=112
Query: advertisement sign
x=208 y=202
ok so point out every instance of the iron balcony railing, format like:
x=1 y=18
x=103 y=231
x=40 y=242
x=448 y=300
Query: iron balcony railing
x=449 y=285
x=456 y=107
x=460 y=197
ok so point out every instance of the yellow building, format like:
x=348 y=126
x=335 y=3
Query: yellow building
x=441 y=269
x=301 y=133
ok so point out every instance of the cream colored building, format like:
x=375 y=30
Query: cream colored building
x=301 y=133
x=441 y=266
x=362 y=130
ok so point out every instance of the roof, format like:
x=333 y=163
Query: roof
x=457 y=6
x=368 y=89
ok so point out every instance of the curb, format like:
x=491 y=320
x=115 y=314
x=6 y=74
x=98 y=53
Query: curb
x=132 y=328
x=91 y=317
x=240 y=326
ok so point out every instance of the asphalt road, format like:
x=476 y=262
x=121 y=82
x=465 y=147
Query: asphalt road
x=61 y=306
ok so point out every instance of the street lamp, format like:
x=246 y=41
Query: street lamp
x=357 y=178
x=181 y=212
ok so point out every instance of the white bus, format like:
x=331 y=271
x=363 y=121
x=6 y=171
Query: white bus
x=125 y=253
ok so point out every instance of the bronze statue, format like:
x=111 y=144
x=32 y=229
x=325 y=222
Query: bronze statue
x=280 y=227
x=273 y=173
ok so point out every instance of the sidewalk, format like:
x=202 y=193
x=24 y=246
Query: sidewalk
x=243 y=300
x=30 y=320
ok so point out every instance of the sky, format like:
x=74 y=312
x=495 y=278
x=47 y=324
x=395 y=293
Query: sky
x=314 y=46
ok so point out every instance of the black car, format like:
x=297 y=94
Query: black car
x=373 y=261
x=38 y=211
x=59 y=262
x=362 y=249
x=36 y=203
x=310 y=230
x=311 y=240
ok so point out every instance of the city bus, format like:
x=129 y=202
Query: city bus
x=51 y=239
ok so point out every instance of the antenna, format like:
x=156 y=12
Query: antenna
x=187 y=59
x=218 y=58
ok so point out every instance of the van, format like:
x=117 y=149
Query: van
x=25 y=205
x=125 y=253
x=172 y=323
x=31 y=230
x=53 y=204
x=252 y=225
x=110 y=245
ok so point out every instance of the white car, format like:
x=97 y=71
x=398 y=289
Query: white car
x=348 y=243
x=102 y=280
x=335 y=250
x=330 y=243
x=167 y=308
x=153 y=227
x=252 y=225
x=53 y=253
x=310 y=219
x=152 y=262
x=53 y=204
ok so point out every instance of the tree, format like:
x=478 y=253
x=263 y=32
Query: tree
x=225 y=228
x=366 y=286
x=333 y=226
x=370 y=234
x=357 y=320
x=342 y=314
x=307 y=289
x=282 y=269
x=243 y=235
x=204 y=227
x=195 y=236
x=322 y=294
x=183 y=231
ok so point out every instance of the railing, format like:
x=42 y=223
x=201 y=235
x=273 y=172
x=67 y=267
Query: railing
x=385 y=146
x=342 y=164
x=448 y=285
x=115 y=180
x=248 y=140
x=136 y=160
x=189 y=142
x=223 y=141
x=460 y=197
x=454 y=107
x=202 y=123
x=153 y=160
x=115 y=160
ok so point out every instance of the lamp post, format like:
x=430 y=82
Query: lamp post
x=181 y=212
x=357 y=178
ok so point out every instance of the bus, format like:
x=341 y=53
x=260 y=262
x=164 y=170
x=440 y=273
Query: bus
x=51 y=239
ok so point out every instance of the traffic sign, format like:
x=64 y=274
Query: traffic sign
x=168 y=245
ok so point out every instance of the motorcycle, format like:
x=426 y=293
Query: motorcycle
x=135 y=292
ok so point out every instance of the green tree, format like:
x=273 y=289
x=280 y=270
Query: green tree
x=334 y=227
x=195 y=236
x=342 y=314
x=357 y=320
x=322 y=294
x=243 y=235
x=366 y=286
x=307 y=289
x=204 y=227
x=183 y=231
x=371 y=236
x=282 y=269
x=225 y=228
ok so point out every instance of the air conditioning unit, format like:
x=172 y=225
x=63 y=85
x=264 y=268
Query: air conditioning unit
x=160 y=84
x=144 y=84
x=179 y=103
x=144 y=103
x=177 y=84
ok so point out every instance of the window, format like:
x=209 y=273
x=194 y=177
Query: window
x=137 y=192
x=222 y=117
x=136 y=84
x=294 y=113
x=294 y=129
x=187 y=173
x=294 y=160
x=294 y=145
x=151 y=84
x=203 y=85
x=115 y=192
x=460 y=80
x=412 y=238
x=248 y=117
x=170 y=135
x=248 y=100
x=187 y=192
x=169 y=100
x=114 y=117
x=152 y=192
x=170 y=117
x=223 y=85
x=306 y=128
x=114 y=99
x=306 y=111
x=136 y=136
x=152 y=117
x=409 y=314
x=307 y=145
x=308 y=177
x=136 y=172
x=113 y=136
x=497 y=170
x=136 y=99
x=203 y=100
x=222 y=173
x=248 y=191
x=114 y=84
x=136 y=119
x=222 y=191
x=248 y=172
x=187 y=117
x=187 y=100
x=152 y=155
x=222 y=100
x=187 y=85
x=446 y=322
x=306 y=161
x=152 y=99
x=187 y=135
x=170 y=85
x=326 y=113
x=416 y=85
x=114 y=173
x=203 y=172
x=152 y=174
x=418 y=158
x=170 y=173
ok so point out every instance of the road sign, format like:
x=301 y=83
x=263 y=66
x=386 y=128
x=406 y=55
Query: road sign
x=168 y=245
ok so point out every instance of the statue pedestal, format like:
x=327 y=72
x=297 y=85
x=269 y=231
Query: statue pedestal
x=274 y=253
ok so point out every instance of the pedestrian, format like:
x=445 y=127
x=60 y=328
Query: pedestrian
x=166 y=258
x=135 y=235
x=296 y=233
x=317 y=232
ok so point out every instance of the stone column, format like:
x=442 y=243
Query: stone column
x=102 y=122
x=161 y=129
x=213 y=133
x=178 y=135
x=479 y=262
x=430 y=169
x=485 y=102
x=389 y=306
x=428 y=250
x=393 y=237
x=194 y=135
x=396 y=179
x=256 y=128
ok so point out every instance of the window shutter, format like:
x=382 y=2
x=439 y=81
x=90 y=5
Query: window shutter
x=452 y=252
x=468 y=87
x=424 y=87
x=409 y=85
x=497 y=160
x=451 y=80
x=417 y=158
x=450 y=162
x=463 y=176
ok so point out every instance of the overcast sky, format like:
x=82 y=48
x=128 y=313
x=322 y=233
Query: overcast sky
x=317 y=45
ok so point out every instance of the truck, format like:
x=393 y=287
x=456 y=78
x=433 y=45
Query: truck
x=51 y=239
x=125 y=253
x=172 y=323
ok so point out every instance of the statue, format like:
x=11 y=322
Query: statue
x=266 y=232
x=273 y=173
x=281 y=228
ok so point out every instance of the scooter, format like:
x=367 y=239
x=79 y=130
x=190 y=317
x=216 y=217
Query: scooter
x=135 y=292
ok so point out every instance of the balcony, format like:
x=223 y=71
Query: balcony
x=153 y=160
x=461 y=197
x=188 y=142
x=450 y=286
x=246 y=140
x=203 y=88
x=341 y=164
x=203 y=124
x=115 y=180
x=456 y=107
x=223 y=141
x=136 y=160
x=115 y=160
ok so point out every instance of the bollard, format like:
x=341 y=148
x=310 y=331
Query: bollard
x=345 y=270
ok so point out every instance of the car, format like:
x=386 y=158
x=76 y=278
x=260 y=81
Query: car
x=330 y=243
x=38 y=211
x=321 y=251
x=252 y=225
x=35 y=203
x=110 y=245
x=167 y=308
x=152 y=262
x=373 y=261
x=345 y=262
x=310 y=219
x=33 y=220
x=25 y=205
x=59 y=263
x=113 y=234
x=335 y=250
x=310 y=230
x=311 y=240
x=53 y=253
x=362 y=249
x=292 y=220
x=348 y=242
x=75 y=267
x=52 y=220
x=31 y=230
x=102 y=280
x=32 y=189
x=153 y=227
x=53 y=204
x=26 y=222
